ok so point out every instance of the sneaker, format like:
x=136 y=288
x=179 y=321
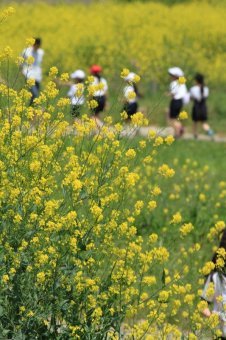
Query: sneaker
x=210 y=132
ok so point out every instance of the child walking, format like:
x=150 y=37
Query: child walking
x=177 y=92
x=130 y=93
x=199 y=94
x=100 y=95
x=76 y=92
x=34 y=70
x=218 y=278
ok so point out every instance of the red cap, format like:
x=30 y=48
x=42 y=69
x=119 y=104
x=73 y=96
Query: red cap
x=95 y=69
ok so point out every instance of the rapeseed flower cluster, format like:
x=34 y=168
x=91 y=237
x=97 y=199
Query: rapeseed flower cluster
x=90 y=223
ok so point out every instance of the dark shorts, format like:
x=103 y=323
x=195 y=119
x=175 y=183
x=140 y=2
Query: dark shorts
x=101 y=101
x=35 y=90
x=175 y=108
x=130 y=108
x=199 y=112
x=75 y=110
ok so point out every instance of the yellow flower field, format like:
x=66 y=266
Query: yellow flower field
x=148 y=37
x=103 y=236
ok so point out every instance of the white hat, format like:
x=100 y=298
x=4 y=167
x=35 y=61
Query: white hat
x=78 y=74
x=176 y=72
x=130 y=76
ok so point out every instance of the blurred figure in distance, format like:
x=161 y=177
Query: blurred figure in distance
x=199 y=94
x=33 y=70
x=130 y=94
x=100 y=94
x=178 y=93
x=76 y=92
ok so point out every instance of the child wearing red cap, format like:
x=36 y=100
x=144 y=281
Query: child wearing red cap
x=100 y=95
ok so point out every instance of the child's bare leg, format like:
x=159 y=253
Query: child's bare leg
x=206 y=312
x=205 y=127
x=168 y=120
x=97 y=120
x=176 y=126
x=195 y=129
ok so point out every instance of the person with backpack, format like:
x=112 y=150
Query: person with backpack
x=199 y=94
x=178 y=93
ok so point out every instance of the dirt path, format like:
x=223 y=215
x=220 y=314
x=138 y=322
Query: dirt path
x=165 y=131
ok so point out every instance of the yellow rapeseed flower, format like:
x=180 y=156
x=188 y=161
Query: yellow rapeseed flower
x=183 y=115
x=181 y=80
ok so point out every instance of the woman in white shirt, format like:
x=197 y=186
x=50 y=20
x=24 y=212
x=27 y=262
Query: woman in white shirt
x=177 y=92
x=99 y=95
x=76 y=92
x=199 y=94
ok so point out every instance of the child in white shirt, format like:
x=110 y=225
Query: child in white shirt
x=177 y=92
x=76 y=92
x=130 y=93
x=199 y=94
x=100 y=96
x=34 y=70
